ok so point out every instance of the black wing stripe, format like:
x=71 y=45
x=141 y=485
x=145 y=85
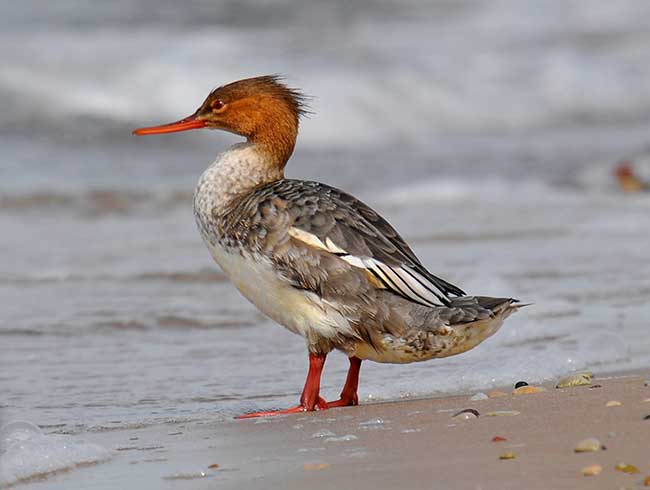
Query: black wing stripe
x=427 y=286
x=392 y=278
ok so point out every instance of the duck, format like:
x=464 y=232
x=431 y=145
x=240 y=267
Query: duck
x=315 y=259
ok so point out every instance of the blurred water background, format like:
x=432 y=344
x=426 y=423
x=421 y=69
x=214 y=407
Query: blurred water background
x=484 y=131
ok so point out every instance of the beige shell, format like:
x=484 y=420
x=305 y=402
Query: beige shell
x=613 y=403
x=626 y=468
x=576 y=379
x=527 y=390
x=507 y=455
x=592 y=470
x=589 y=445
x=497 y=394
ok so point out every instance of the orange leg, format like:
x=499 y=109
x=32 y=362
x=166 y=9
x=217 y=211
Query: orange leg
x=310 y=399
x=349 y=394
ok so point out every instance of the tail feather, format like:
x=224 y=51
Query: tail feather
x=503 y=307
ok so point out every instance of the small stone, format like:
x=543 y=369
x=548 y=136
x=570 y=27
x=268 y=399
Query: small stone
x=502 y=413
x=507 y=455
x=647 y=417
x=499 y=439
x=646 y=382
x=646 y=481
x=316 y=466
x=467 y=414
x=626 y=468
x=497 y=394
x=213 y=466
x=576 y=379
x=589 y=445
x=592 y=470
x=519 y=384
x=323 y=433
x=528 y=390
x=613 y=403
x=478 y=397
x=592 y=387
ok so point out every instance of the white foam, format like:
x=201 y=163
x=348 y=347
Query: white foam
x=511 y=73
x=26 y=452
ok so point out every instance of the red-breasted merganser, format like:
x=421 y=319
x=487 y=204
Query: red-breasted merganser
x=315 y=259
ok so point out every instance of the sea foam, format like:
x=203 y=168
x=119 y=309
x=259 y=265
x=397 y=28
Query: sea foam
x=26 y=452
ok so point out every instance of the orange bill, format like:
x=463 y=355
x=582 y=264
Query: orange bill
x=190 y=122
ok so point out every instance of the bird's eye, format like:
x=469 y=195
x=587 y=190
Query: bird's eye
x=218 y=104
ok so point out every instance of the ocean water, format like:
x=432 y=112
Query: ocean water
x=486 y=132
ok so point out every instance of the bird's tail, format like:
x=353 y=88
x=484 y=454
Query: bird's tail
x=501 y=307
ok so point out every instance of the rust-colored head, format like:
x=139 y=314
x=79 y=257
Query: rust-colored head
x=262 y=109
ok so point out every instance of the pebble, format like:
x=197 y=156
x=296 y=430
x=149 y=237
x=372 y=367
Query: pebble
x=507 y=455
x=502 y=413
x=647 y=417
x=213 y=466
x=323 y=433
x=478 y=397
x=576 y=379
x=626 y=468
x=646 y=481
x=372 y=423
x=316 y=466
x=527 y=390
x=519 y=384
x=467 y=414
x=613 y=403
x=499 y=439
x=646 y=383
x=497 y=394
x=592 y=470
x=589 y=445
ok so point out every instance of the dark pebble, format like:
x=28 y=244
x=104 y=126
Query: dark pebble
x=647 y=417
x=519 y=384
x=595 y=386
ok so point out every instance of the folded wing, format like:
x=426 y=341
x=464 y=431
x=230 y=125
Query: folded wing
x=324 y=218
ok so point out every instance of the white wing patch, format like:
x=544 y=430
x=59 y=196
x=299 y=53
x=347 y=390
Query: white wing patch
x=402 y=280
x=309 y=238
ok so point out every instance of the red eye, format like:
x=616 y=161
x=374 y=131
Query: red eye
x=218 y=104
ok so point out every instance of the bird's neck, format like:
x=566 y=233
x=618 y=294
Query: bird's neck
x=235 y=172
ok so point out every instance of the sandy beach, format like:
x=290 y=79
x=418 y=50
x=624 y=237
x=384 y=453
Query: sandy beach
x=415 y=444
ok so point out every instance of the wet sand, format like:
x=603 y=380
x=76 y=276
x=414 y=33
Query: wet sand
x=408 y=444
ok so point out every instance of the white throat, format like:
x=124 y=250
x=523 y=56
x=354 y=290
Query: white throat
x=238 y=170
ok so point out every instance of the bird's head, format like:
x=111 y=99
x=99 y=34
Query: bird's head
x=262 y=109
